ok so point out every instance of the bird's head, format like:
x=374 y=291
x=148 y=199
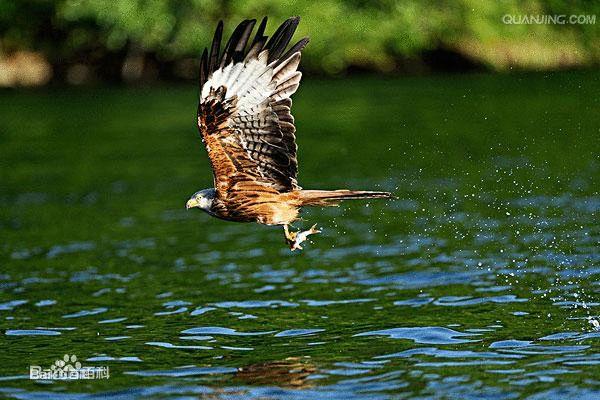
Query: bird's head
x=202 y=199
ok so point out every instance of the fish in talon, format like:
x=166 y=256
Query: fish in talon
x=294 y=239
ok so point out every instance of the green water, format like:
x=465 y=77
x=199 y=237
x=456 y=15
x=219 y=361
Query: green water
x=480 y=280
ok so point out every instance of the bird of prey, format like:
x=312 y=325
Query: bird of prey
x=246 y=126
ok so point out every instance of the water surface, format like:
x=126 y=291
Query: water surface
x=480 y=281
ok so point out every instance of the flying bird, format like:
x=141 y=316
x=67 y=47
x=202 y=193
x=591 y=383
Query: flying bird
x=248 y=130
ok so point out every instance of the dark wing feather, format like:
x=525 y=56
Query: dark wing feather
x=297 y=48
x=259 y=39
x=244 y=112
x=281 y=39
x=214 y=49
x=204 y=71
x=240 y=47
x=237 y=42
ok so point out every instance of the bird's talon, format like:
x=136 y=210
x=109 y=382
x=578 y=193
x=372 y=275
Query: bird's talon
x=294 y=239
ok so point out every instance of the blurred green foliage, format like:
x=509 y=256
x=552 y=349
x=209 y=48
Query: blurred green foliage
x=383 y=35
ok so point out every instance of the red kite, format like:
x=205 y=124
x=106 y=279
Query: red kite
x=245 y=122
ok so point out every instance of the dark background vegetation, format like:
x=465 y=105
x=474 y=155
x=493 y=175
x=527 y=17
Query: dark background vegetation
x=87 y=41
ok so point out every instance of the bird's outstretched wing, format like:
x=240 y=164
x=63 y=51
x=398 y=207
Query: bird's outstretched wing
x=244 y=111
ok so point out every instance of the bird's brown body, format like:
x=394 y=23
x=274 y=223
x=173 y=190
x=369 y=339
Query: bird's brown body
x=246 y=125
x=259 y=204
x=256 y=203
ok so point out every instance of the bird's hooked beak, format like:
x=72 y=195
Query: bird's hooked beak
x=191 y=203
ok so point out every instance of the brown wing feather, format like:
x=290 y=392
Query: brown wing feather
x=239 y=152
x=244 y=115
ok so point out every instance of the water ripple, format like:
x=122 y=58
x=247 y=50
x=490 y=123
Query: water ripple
x=463 y=363
x=320 y=303
x=45 y=303
x=202 y=310
x=167 y=345
x=255 y=304
x=186 y=371
x=298 y=332
x=85 y=313
x=176 y=311
x=572 y=336
x=441 y=353
x=217 y=330
x=31 y=332
x=12 y=304
x=424 y=335
x=73 y=247
x=469 y=301
x=109 y=358
x=112 y=321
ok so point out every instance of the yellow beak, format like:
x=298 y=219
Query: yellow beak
x=191 y=203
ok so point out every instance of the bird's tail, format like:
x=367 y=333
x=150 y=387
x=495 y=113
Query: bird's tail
x=333 y=197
